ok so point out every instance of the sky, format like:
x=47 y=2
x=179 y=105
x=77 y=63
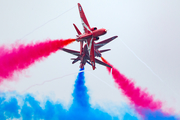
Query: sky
x=148 y=32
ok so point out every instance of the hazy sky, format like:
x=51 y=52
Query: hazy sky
x=149 y=28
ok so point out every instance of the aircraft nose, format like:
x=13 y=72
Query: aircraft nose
x=105 y=31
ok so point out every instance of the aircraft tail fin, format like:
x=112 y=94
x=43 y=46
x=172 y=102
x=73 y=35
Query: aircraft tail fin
x=79 y=33
x=81 y=42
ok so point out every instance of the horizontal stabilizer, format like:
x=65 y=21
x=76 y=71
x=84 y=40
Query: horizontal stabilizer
x=104 y=42
x=101 y=51
x=102 y=63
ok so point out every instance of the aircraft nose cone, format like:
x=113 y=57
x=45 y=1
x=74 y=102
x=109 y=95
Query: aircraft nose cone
x=105 y=31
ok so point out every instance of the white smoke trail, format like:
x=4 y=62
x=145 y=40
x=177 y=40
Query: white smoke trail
x=142 y=62
x=148 y=67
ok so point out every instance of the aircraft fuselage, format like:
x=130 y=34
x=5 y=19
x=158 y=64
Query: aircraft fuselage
x=93 y=34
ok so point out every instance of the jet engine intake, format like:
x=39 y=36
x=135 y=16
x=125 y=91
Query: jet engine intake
x=96 y=38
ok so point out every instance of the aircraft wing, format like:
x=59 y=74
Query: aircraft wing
x=102 y=63
x=83 y=19
x=104 y=42
x=77 y=53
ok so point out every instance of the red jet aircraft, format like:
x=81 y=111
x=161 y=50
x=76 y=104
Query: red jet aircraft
x=89 y=51
x=90 y=34
x=84 y=56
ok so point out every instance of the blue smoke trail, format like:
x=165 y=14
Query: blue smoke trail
x=81 y=98
x=80 y=109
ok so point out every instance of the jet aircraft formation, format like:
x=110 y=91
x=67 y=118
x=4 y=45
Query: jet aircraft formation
x=90 y=50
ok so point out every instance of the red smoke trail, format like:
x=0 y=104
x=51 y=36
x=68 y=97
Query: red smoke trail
x=135 y=94
x=21 y=56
